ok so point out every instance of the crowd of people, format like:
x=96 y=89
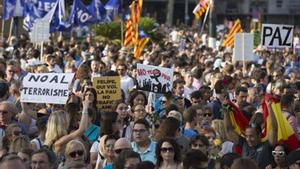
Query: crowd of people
x=187 y=128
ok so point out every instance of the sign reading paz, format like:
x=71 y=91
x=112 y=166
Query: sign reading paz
x=46 y=87
x=277 y=36
x=154 y=79
x=108 y=91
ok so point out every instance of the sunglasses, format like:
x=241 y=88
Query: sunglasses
x=74 y=153
x=279 y=153
x=206 y=114
x=198 y=145
x=167 y=149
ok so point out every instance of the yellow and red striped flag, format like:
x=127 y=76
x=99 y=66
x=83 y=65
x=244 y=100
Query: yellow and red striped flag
x=129 y=32
x=236 y=28
x=135 y=12
x=201 y=8
x=141 y=43
x=285 y=132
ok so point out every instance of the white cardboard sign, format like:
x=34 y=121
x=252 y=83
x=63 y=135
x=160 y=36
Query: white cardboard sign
x=154 y=79
x=243 y=47
x=277 y=36
x=46 y=87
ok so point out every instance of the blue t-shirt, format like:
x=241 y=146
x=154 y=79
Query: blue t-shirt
x=92 y=133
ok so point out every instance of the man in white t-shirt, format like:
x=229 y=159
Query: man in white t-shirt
x=127 y=82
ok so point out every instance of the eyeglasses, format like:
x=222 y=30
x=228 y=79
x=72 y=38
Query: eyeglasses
x=74 y=153
x=139 y=131
x=279 y=153
x=3 y=112
x=167 y=149
x=198 y=145
x=205 y=114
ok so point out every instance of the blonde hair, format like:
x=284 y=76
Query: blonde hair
x=219 y=128
x=42 y=69
x=56 y=127
x=72 y=144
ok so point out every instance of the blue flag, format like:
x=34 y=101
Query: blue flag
x=81 y=15
x=97 y=8
x=13 y=8
x=57 y=18
x=34 y=10
x=113 y=7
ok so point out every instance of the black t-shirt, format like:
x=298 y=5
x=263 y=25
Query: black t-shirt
x=261 y=153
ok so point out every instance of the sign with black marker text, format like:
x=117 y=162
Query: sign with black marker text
x=46 y=87
x=154 y=79
x=277 y=36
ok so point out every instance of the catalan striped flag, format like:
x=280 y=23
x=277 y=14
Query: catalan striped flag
x=285 y=132
x=237 y=119
x=135 y=12
x=201 y=8
x=129 y=32
x=236 y=28
x=142 y=41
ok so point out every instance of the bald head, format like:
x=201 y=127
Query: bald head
x=122 y=143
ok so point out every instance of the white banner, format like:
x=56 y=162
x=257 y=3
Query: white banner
x=277 y=36
x=46 y=87
x=154 y=79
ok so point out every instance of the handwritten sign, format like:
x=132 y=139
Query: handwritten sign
x=154 y=79
x=108 y=91
x=46 y=87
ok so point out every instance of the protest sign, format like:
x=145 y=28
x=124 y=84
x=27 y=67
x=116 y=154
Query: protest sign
x=40 y=31
x=108 y=91
x=277 y=36
x=154 y=79
x=243 y=47
x=46 y=87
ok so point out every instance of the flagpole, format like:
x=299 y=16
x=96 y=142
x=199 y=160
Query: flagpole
x=204 y=20
x=122 y=25
x=2 y=28
x=11 y=28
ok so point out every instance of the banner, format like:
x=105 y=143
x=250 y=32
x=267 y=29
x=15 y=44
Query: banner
x=154 y=79
x=46 y=87
x=108 y=91
x=277 y=36
x=13 y=8
x=34 y=10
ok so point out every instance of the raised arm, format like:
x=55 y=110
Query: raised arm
x=84 y=122
x=272 y=136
